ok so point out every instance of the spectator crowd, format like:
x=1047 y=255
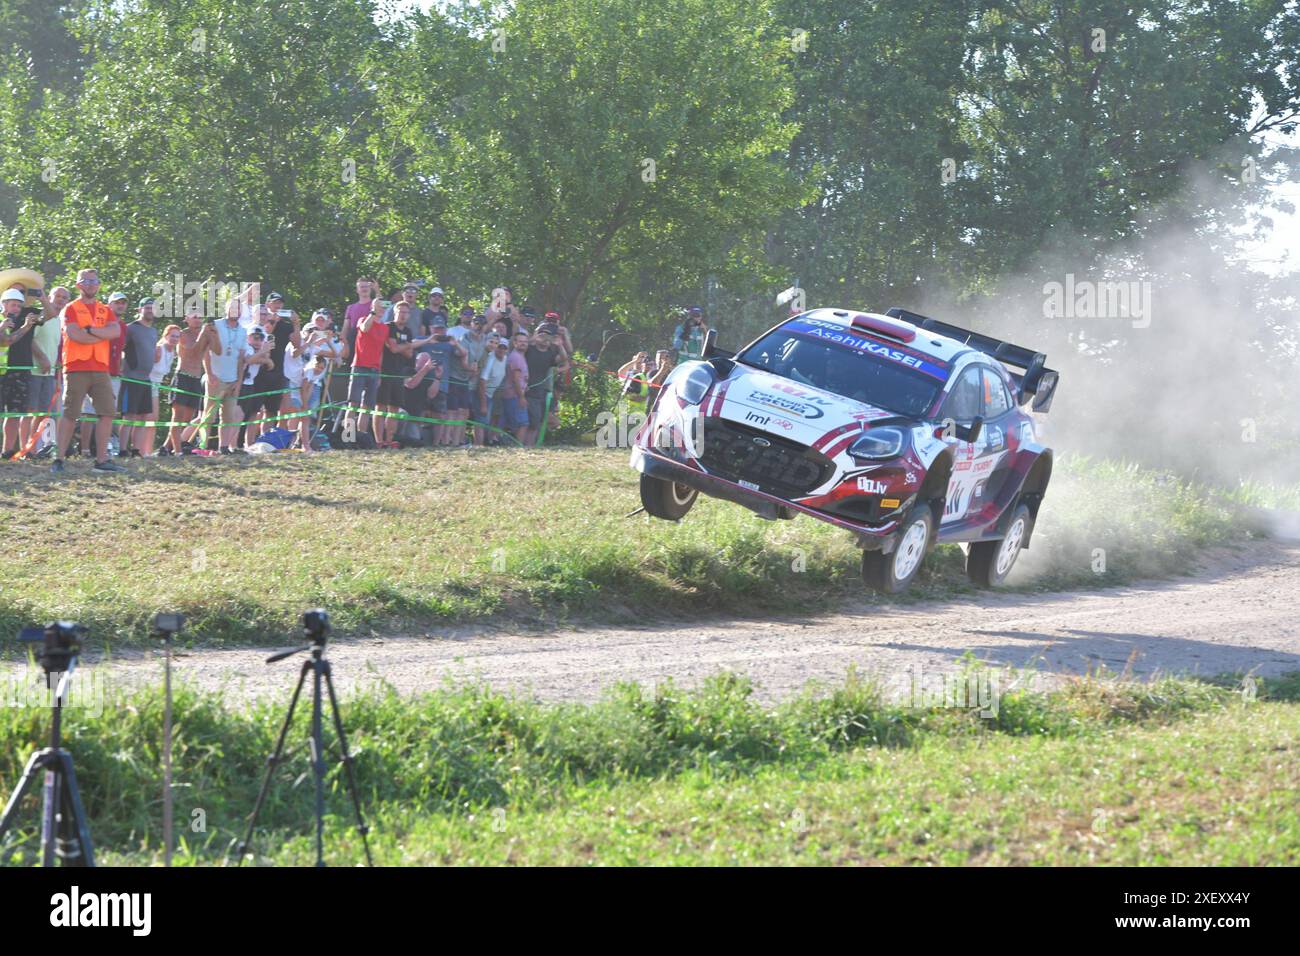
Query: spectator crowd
x=385 y=373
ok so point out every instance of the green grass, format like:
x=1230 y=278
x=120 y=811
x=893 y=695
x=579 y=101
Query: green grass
x=410 y=540
x=1173 y=771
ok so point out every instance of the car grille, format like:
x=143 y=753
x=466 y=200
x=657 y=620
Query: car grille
x=782 y=467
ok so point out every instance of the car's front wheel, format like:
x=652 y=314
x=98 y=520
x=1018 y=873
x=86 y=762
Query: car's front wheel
x=989 y=562
x=893 y=572
x=669 y=500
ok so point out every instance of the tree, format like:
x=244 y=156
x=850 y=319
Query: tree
x=604 y=150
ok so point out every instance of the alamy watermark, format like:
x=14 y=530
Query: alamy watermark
x=1086 y=299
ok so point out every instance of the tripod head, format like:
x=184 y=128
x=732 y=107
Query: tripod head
x=60 y=644
x=168 y=625
x=316 y=625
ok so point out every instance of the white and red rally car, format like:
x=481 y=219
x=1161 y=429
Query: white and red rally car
x=902 y=429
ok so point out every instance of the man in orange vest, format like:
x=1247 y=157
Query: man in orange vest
x=89 y=328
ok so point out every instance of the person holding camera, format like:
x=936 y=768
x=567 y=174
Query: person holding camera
x=15 y=383
x=635 y=376
x=688 y=337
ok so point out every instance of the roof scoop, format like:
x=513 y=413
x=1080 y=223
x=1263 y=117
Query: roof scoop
x=899 y=331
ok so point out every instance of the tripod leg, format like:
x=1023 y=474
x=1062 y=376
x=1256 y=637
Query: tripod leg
x=347 y=764
x=34 y=764
x=318 y=759
x=271 y=763
x=74 y=824
x=51 y=807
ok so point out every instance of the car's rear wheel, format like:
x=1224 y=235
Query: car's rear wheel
x=893 y=572
x=669 y=500
x=989 y=562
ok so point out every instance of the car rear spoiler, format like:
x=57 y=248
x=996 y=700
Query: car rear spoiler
x=1037 y=379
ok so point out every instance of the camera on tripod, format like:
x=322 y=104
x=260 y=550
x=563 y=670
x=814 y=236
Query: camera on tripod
x=316 y=623
x=61 y=642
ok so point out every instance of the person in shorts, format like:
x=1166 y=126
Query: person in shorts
x=545 y=360
x=89 y=327
x=187 y=387
x=138 y=357
x=253 y=402
x=367 y=361
x=15 y=335
x=398 y=363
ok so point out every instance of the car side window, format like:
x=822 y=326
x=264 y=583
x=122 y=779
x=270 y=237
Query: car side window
x=996 y=399
x=966 y=400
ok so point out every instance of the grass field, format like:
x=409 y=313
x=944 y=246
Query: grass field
x=401 y=541
x=1099 y=771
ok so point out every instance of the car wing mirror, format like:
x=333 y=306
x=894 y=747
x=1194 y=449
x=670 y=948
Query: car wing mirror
x=971 y=432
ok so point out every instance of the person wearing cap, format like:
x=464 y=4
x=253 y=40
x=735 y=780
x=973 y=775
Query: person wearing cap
x=562 y=341
x=436 y=309
x=474 y=342
x=15 y=383
x=119 y=304
x=398 y=364
x=282 y=331
x=545 y=360
x=137 y=391
x=89 y=328
x=488 y=396
x=42 y=396
x=447 y=353
x=688 y=337
x=252 y=400
x=526 y=321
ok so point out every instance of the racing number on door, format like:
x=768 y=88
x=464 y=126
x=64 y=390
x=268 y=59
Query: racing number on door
x=964 y=404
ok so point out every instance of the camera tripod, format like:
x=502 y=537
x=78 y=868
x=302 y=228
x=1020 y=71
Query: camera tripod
x=316 y=624
x=65 y=834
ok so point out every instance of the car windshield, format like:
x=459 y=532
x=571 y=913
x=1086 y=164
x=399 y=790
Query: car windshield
x=847 y=364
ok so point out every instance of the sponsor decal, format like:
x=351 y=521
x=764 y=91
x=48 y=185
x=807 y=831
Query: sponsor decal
x=871 y=486
x=843 y=337
x=995 y=437
x=911 y=477
x=983 y=465
x=768 y=421
x=979 y=490
x=956 y=502
x=961 y=466
x=752 y=486
x=1026 y=432
x=804 y=409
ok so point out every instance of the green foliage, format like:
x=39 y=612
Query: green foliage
x=460 y=751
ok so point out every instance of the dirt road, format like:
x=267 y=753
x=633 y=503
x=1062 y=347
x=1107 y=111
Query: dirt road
x=1237 y=613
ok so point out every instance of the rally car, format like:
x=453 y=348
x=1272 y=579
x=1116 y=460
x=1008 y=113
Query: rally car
x=902 y=429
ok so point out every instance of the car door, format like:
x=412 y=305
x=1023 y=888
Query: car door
x=992 y=466
x=965 y=402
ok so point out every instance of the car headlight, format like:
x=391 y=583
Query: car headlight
x=696 y=384
x=879 y=443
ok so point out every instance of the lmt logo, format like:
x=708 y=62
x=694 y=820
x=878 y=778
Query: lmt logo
x=102 y=909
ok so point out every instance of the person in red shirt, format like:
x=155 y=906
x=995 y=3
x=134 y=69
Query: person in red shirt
x=368 y=359
x=89 y=328
x=367 y=292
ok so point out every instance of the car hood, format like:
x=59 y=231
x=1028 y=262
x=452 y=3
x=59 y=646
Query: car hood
x=786 y=408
